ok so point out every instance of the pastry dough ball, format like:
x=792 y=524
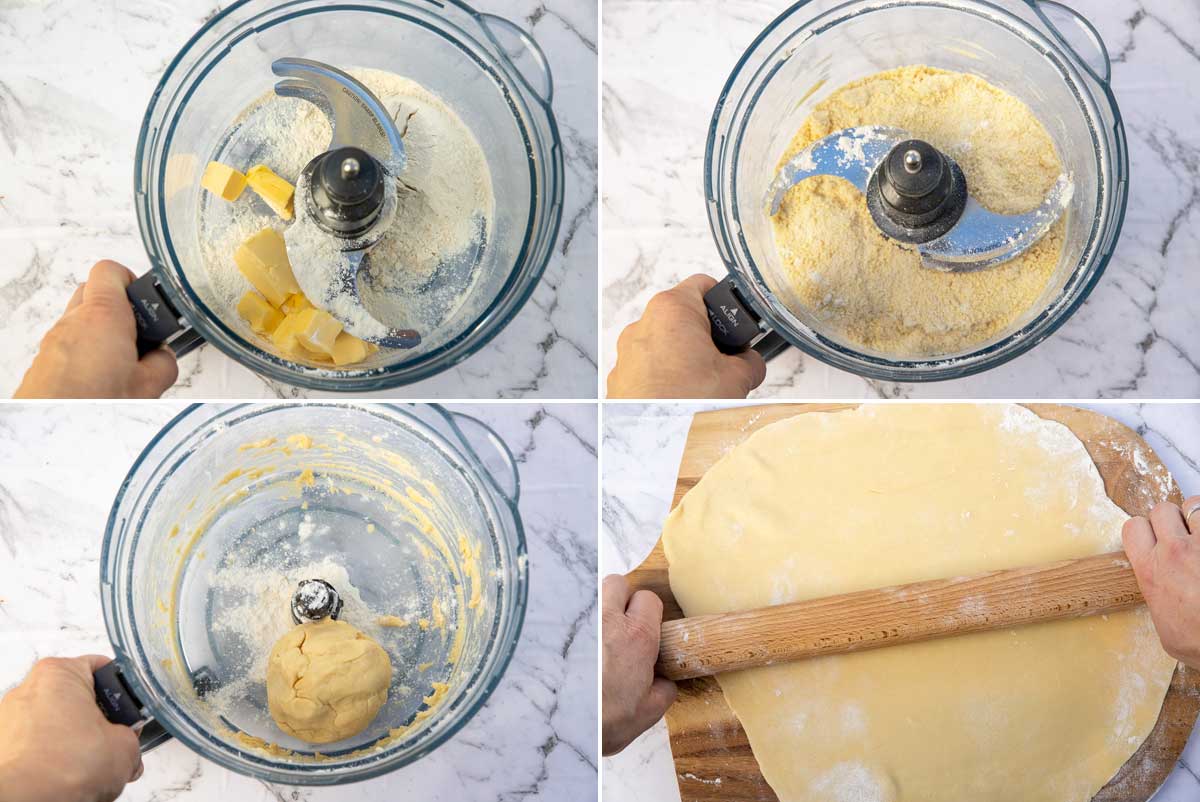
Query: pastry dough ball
x=326 y=681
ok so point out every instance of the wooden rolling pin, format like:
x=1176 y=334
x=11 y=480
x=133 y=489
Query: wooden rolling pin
x=870 y=619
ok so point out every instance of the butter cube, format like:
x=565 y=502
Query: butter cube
x=316 y=330
x=348 y=349
x=223 y=180
x=261 y=316
x=263 y=260
x=287 y=339
x=297 y=302
x=276 y=191
x=284 y=337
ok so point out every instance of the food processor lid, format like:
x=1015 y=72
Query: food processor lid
x=346 y=196
x=918 y=196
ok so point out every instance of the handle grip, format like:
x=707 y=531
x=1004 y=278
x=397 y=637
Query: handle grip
x=120 y=705
x=523 y=52
x=870 y=619
x=492 y=452
x=1079 y=35
x=735 y=326
x=158 y=321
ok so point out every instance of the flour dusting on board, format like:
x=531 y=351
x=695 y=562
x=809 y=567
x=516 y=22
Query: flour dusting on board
x=687 y=775
x=1157 y=484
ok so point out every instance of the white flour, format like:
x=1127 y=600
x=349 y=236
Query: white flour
x=851 y=782
x=423 y=268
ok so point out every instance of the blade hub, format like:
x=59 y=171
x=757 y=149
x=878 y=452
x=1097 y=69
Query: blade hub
x=917 y=193
x=345 y=191
x=314 y=600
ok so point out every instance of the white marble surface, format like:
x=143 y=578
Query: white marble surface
x=75 y=79
x=1137 y=336
x=535 y=738
x=642 y=446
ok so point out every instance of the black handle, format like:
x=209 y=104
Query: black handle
x=121 y=706
x=735 y=326
x=158 y=321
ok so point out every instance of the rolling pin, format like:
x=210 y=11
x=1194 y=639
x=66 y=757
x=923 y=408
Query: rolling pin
x=870 y=619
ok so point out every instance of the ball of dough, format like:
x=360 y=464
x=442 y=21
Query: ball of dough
x=326 y=681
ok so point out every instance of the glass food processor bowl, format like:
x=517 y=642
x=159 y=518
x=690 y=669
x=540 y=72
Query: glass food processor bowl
x=1029 y=48
x=408 y=512
x=489 y=71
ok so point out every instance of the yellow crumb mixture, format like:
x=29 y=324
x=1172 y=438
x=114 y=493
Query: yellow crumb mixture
x=871 y=291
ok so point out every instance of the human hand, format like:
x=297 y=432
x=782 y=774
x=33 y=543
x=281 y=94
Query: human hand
x=56 y=745
x=1165 y=554
x=633 y=699
x=669 y=352
x=91 y=352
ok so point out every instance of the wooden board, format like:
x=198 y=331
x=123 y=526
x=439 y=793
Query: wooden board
x=708 y=742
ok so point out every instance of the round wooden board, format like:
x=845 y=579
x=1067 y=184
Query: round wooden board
x=713 y=760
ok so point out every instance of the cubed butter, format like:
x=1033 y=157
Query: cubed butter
x=287 y=339
x=223 y=180
x=317 y=331
x=284 y=337
x=348 y=349
x=263 y=260
x=256 y=311
x=296 y=303
x=276 y=191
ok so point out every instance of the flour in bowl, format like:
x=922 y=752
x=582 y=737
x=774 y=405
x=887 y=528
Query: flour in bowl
x=425 y=265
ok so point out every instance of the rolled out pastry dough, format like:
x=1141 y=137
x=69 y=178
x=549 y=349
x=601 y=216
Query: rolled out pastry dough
x=827 y=503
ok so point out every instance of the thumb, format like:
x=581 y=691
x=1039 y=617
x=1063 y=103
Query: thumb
x=106 y=283
x=661 y=696
x=693 y=288
x=155 y=373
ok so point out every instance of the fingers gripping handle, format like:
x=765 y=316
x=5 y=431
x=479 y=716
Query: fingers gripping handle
x=735 y=326
x=158 y=321
x=121 y=706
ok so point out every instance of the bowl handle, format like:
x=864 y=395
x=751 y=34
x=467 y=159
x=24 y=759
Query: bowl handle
x=523 y=51
x=1079 y=35
x=491 y=452
x=158 y=321
x=734 y=325
x=120 y=705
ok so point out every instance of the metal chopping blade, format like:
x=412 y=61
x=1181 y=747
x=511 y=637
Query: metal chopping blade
x=345 y=197
x=357 y=117
x=918 y=195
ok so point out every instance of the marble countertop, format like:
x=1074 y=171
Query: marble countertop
x=1137 y=336
x=75 y=84
x=534 y=739
x=642 y=447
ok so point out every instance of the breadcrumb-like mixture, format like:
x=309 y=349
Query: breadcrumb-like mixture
x=873 y=292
